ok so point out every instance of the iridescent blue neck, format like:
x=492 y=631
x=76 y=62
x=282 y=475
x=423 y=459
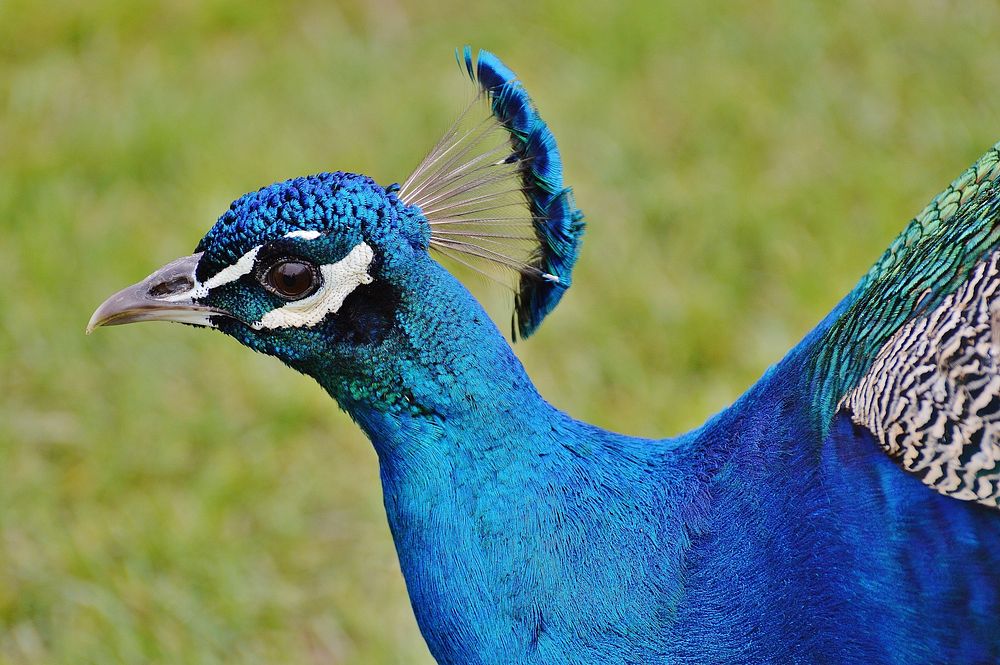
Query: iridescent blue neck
x=443 y=366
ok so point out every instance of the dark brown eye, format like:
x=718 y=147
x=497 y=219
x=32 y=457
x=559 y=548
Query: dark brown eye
x=291 y=279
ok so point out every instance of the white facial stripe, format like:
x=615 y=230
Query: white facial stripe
x=228 y=274
x=305 y=235
x=232 y=273
x=339 y=281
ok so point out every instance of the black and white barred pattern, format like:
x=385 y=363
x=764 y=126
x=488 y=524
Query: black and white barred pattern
x=932 y=395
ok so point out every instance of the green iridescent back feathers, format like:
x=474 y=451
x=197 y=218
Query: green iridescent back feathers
x=931 y=258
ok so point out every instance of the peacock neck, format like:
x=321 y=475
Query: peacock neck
x=485 y=484
x=443 y=375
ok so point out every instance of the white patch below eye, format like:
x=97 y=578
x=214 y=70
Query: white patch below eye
x=340 y=279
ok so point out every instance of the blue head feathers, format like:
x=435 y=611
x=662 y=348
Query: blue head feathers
x=344 y=205
x=332 y=274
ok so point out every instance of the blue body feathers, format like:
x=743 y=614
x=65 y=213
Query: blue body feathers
x=530 y=537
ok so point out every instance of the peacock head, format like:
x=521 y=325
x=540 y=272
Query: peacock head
x=324 y=267
x=290 y=269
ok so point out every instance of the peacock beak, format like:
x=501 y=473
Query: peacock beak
x=166 y=295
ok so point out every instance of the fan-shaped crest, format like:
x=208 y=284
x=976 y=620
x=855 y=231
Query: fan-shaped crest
x=493 y=192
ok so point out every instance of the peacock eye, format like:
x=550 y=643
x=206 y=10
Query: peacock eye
x=291 y=279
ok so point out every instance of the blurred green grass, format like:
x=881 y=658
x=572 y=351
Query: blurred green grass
x=166 y=496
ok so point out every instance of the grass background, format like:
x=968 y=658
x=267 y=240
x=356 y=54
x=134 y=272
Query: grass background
x=168 y=497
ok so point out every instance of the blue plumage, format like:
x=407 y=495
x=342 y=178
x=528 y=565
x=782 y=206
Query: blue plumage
x=843 y=510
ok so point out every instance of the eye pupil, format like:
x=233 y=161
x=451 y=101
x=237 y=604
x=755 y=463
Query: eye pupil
x=291 y=279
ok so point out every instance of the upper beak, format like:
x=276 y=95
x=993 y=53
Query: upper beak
x=166 y=295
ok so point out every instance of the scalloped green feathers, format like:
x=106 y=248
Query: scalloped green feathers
x=493 y=193
x=935 y=254
x=914 y=355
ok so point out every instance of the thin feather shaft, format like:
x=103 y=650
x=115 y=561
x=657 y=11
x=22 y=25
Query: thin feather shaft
x=482 y=221
x=466 y=170
x=439 y=148
x=478 y=134
x=492 y=255
x=492 y=196
x=454 y=255
x=475 y=234
x=476 y=211
x=462 y=188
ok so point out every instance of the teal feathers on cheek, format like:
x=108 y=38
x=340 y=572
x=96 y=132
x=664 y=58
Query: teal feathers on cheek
x=493 y=196
x=245 y=299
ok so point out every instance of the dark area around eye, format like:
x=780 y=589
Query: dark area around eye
x=366 y=316
x=291 y=279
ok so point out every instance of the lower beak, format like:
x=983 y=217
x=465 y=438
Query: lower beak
x=166 y=295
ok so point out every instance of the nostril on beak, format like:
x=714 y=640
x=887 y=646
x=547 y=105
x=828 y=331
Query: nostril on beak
x=178 y=284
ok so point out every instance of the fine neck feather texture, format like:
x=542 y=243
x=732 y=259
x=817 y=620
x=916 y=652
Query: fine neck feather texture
x=443 y=361
x=508 y=513
x=465 y=442
x=517 y=525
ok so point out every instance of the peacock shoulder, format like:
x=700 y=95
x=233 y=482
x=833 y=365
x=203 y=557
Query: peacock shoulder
x=914 y=355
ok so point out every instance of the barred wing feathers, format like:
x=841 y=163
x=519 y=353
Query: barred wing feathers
x=915 y=354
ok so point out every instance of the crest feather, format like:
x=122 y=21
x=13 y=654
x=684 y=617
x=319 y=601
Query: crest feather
x=492 y=191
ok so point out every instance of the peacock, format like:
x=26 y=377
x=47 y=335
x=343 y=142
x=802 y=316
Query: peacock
x=843 y=510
